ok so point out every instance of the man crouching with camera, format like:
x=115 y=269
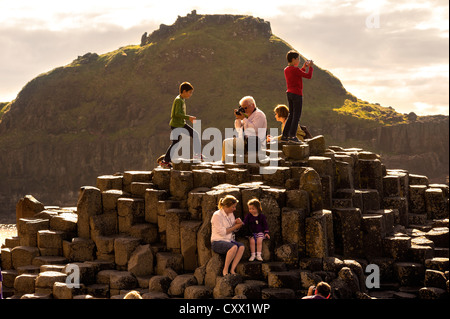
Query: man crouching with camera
x=251 y=126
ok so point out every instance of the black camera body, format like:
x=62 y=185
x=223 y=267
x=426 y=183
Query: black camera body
x=240 y=111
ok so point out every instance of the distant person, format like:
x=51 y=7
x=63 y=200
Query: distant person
x=178 y=119
x=251 y=125
x=133 y=294
x=257 y=225
x=281 y=114
x=223 y=226
x=321 y=291
x=294 y=83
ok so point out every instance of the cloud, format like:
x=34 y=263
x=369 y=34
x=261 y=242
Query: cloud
x=400 y=61
x=402 y=90
x=28 y=53
x=342 y=38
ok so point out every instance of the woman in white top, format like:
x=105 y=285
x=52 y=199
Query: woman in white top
x=223 y=226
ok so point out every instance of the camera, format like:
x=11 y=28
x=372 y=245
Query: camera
x=313 y=290
x=240 y=111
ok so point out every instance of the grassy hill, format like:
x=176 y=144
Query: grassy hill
x=119 y=93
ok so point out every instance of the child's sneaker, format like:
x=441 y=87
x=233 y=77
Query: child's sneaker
x=165 y=164
x=295 y=140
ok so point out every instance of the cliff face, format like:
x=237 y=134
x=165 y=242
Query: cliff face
x=417 y=137
x=420 y=147
x=49 y=171
x=110 y=112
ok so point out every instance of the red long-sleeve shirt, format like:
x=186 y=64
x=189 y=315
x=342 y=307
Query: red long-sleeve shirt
x=294 y=77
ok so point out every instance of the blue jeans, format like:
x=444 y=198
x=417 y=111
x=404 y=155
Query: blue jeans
x=222 y=247
x=295 y=111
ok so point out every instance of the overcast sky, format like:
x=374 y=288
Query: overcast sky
x=392 y=52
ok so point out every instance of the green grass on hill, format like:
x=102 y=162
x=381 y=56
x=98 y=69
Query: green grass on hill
x=371 y=112
x=4 y=107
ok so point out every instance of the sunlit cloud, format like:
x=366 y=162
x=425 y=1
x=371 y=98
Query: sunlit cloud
x=421 y=108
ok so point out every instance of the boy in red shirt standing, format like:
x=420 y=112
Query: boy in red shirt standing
x=294 y=84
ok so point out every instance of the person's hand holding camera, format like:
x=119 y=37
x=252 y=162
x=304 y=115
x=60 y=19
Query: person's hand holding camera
x=239 y=115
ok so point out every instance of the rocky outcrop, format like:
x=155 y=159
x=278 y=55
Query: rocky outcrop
x=245 y=26
x=420 y=146
x=335 y=215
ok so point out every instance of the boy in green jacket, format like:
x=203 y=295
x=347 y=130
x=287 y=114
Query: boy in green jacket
x=178 y=119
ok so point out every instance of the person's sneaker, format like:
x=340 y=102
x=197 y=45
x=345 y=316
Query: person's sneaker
x=251 y=258
x=284 y=139
x=294 y=140
x=165 y=164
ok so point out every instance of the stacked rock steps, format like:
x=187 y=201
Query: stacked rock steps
x=332 y=212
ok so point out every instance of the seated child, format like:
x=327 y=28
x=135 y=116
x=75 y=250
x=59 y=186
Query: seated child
x=281 y=114
x=257 y=224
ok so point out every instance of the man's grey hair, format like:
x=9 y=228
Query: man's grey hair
x=247 y=101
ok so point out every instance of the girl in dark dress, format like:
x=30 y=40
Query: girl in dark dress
x=257 y=224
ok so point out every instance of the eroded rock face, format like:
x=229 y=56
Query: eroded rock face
x=420 y=146
x=244 y=26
